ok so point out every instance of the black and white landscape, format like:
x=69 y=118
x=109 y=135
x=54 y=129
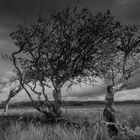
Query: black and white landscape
x=69 y=70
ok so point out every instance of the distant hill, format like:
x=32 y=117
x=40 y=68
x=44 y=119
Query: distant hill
x=72 y=103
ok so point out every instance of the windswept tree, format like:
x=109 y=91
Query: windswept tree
x=119 y=64
x=60 y=49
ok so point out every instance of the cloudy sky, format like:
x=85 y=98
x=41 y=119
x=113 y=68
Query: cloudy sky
x=13 y=12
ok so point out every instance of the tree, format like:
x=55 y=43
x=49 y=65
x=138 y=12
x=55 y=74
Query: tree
x=12 y=83
x=59 y=49
x=119 y=64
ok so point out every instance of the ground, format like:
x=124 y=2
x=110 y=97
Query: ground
x=78 y=123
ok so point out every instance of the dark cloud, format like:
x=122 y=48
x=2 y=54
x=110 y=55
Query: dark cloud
x=126 y=10
x=87 y=92
x=23 y=9
x=135 y=82
x=13 y=12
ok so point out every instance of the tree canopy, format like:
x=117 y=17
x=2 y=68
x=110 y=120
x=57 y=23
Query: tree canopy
x=121 y=65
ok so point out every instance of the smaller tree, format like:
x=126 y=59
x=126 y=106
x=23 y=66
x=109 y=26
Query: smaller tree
x=13 y=87
x=119 y=64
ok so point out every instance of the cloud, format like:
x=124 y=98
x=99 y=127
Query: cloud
x=85 y=92
x=126 y=10
x=82 y=92
x=16 y=11
x=133 y=94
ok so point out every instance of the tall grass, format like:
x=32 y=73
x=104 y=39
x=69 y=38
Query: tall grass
x=57 y=132
x=90 y=122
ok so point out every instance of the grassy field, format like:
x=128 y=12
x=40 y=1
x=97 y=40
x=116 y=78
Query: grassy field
x=84 y=124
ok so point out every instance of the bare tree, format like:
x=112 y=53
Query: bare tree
x=119 y=64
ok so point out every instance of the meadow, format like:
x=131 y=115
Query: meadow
x=78 y=123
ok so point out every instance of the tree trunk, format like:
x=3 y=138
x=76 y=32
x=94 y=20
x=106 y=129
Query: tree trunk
x=6 y=105
x=57 y=102
x=109 y=112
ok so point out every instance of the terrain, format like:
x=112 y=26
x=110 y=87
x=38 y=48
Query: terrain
x=79 y=122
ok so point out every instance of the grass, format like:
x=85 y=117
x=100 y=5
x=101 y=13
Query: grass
x=33 y=126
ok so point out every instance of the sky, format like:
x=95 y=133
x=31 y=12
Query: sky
x=13 y=12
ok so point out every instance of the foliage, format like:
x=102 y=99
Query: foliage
x=122 y=64
x=59 y=49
